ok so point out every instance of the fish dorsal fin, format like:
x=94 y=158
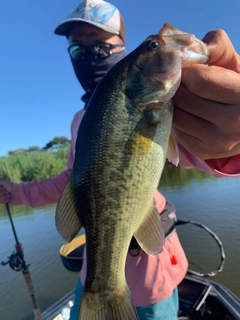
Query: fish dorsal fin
x=150 y=234
x=66 y=219
x=172 y=151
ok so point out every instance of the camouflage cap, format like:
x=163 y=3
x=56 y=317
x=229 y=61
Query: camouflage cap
x=101 y=14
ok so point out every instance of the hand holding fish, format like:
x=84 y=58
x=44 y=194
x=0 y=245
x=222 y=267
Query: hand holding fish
x=5 y=191
x=207 y=103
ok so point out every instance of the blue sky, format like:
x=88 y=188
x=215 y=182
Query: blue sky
x=39 y=93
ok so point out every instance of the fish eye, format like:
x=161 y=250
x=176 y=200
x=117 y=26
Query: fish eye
x=152 y=45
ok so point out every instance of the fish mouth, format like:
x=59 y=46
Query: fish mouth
x=193 y=50
x=197 y=51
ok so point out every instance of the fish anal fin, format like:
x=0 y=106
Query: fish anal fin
x=66 y=219
x=172 y=151
x=150 y=234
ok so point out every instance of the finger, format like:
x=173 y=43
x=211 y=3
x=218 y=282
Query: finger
x=5 y=197
x=213 y=83
x=215 y=112
x=202 y=150
x=222 y=52
x=5 y=184
x=202 y=138
x=191 y=124
x=193 y=145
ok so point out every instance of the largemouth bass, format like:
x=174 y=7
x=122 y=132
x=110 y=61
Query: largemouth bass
x=122 y=144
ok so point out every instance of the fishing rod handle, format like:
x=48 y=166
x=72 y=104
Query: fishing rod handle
x=36 y=310
x=37 y=314
x=29 y=284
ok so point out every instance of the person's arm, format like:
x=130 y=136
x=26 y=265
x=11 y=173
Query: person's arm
x=217 y=167
x=46 y=191
x=36 y=193
x=39 y=193
x=207 y=110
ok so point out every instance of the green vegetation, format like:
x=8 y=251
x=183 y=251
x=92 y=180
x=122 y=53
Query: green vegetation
x=35 y=163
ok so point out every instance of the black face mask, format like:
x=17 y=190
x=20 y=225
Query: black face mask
x=89 y=72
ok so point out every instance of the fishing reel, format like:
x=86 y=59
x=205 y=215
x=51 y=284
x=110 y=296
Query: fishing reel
x=16 y=262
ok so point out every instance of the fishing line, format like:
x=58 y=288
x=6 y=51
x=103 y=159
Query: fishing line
x=219 y=242
x=17 y=262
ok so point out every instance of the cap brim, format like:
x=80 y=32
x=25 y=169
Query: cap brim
x=64 y=28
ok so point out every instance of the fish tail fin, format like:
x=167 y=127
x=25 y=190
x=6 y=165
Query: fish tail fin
x=95 y=306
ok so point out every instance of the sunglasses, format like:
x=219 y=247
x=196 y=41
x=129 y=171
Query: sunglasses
x=97 y=51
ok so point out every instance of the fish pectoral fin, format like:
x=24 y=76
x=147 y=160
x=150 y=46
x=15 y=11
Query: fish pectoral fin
x=66 y=218
x=150 y=234
x=142 y=136
x=172 y=151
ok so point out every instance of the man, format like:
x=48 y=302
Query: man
x=85 y=27
x=96 y=38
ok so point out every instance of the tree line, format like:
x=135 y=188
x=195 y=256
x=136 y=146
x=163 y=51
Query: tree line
x=35 y=163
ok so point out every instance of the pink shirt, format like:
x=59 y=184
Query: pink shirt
x=150 y=279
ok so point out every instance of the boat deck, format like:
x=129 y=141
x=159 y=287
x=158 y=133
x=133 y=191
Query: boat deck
x=199 y=298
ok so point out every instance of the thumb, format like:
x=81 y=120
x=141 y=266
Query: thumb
x=6 y=184
x=222 y=52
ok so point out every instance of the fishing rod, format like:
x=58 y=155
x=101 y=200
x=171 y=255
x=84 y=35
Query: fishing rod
x=17 y=263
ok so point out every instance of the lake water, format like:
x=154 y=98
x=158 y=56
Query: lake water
x=196 y=196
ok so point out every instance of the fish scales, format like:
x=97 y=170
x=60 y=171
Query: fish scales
x=122 y=144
